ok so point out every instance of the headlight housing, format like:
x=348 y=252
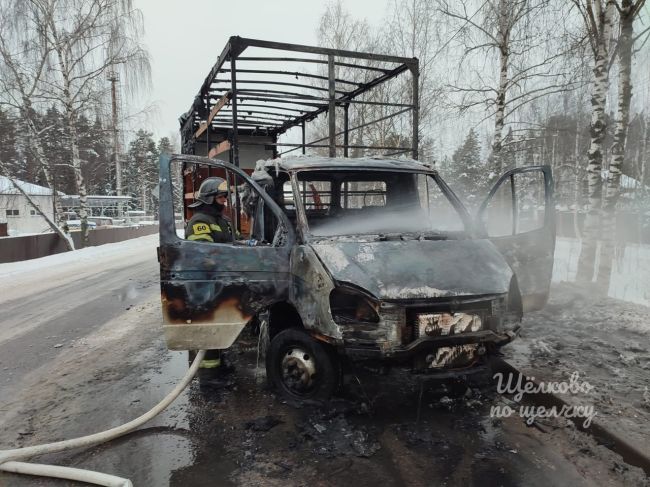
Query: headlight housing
x=349 y=305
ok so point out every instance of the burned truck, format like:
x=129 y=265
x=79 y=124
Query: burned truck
x=342 y=260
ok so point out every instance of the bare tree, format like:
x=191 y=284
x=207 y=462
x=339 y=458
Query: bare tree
x=514 y=34
x=409 y=32
x=84 y=48
x=629 y=10
x=338 y=29
x=412 y=29
x=23 y=62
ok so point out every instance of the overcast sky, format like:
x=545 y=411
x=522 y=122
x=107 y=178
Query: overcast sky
x=185 y=37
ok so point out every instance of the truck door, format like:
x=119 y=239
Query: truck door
x=209 y=290
x=519 y=218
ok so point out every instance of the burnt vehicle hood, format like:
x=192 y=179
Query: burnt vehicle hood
x=417 y=269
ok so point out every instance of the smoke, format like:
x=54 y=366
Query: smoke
x=382 y=221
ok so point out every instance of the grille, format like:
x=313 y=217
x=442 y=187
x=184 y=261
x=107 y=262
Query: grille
x=444 y=324
x=440 y=320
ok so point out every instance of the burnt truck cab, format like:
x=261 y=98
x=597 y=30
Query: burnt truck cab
x=343 y=260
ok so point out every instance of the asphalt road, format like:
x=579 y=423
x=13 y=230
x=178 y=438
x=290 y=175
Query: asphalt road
x=81 y=350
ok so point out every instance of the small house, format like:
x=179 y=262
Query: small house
x=18 y=215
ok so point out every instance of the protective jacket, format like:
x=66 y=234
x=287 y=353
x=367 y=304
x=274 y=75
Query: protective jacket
x=208 y=225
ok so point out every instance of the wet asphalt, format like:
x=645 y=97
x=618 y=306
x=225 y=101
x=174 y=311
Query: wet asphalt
x=382 y=430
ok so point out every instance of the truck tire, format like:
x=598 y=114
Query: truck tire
x=299 y=367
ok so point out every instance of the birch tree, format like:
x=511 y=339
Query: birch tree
x=101 y=36
x=598 y=16
x=23 y=62
x=517 y=36
x=628 y=11
x=413 y=30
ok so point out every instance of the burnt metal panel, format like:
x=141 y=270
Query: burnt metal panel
x=211 y=290
x=415 y=269
x=205 y=282
x=356 y=164
x=310 y=292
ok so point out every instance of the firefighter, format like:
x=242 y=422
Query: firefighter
x=209 y=225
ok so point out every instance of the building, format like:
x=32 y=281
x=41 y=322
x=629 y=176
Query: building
x=18 y=215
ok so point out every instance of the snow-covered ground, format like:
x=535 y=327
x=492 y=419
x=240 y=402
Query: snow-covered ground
x=47 y=273
x=630 y=279
x=94 y=256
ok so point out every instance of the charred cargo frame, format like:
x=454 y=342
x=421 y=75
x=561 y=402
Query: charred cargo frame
x=226 y=116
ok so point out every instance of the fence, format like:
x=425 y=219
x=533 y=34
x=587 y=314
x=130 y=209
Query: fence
x=14 y=249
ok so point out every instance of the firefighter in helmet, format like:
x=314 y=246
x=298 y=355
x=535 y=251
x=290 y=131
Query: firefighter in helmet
x=208 y=223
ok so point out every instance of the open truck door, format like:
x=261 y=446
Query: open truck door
x=519 y=218
x=210 y=290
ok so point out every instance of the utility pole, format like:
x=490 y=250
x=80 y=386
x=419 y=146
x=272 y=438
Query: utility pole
x=113 y=78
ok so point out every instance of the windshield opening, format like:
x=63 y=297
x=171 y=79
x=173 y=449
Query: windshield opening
x=340 y=203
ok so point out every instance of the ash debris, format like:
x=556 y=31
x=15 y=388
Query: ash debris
x=335 y=436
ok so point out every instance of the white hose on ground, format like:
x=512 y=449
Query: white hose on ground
x=67 y=473
x=10 y=459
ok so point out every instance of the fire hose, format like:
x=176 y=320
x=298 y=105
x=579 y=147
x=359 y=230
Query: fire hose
x=14 y=460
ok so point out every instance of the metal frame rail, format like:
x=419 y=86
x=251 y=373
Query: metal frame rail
x=256 y=100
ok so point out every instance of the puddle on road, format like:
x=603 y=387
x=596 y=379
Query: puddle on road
x=385 y=433
x=162 y=380
x=151 y=455
x=192 y=454
x=172 y=450
x=148 y=457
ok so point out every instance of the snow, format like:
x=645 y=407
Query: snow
x=90 y=257
x=393 y=292
x=605 y=340
x=6 y=187
x=630 y=279
x=333 y=257
x=366 y=253
x=626 y=182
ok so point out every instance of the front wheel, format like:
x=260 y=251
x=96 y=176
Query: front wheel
x=299 y=367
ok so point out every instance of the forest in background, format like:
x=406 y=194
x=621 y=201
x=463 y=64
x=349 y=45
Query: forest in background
x=139 y=162
x=509 y=83
x=526 y=82
x=502 y=84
